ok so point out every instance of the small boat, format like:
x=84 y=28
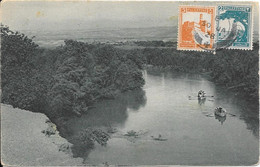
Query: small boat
x=131 y=133
x=159 y=138
x=219 y=111
x=201 y=94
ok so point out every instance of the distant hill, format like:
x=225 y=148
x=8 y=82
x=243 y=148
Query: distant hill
x=56 y=38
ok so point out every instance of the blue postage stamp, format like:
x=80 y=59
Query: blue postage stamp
x=234 y=26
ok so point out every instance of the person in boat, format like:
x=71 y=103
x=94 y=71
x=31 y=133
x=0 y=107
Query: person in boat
x=201 y=94
x=220 y=111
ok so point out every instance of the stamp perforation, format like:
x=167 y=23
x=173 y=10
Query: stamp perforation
x=249 y=33
x=229 y=43
x=202 y=10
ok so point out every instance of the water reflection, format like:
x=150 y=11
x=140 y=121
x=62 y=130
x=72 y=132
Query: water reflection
x=201 y=101
x=220 y=119
x=252 y=124
x=103 y=116
x=250 y=115
x=81 y=150
x=85 y=140
x=252 y=121
x=246 y=110
x=194 y=134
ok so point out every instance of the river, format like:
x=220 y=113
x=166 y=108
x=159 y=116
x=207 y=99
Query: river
x=194 y=136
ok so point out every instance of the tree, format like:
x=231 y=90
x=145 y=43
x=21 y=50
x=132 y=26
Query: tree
x=20 y=86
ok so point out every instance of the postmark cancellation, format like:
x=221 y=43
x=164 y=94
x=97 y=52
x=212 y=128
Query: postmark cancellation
x=236 y=20
x=209 y=28
x=196 y=27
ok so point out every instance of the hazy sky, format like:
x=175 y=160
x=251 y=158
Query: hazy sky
x=71 y=15
x=50 y=15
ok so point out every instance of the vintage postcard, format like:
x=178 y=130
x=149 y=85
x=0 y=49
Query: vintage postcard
x=129 y=83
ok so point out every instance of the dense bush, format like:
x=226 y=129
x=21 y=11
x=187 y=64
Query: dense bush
x=67 y=79
x=155 y=43
x=21 y=85
x=90 y=136
x=178 y=60
x=85 y=74
x=236 y=69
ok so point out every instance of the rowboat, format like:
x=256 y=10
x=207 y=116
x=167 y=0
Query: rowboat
x=201 y=94
x=159 y=138
x=219 y=111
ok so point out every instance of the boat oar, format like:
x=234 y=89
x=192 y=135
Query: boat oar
x=208 y=96
x=233 y=115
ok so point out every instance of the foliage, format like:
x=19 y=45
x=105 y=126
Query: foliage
x=236 y=69
x=155 y=43
x=67 y=79
x=178 y=60
x=90 y=136
x=21 y=84
x=85 y=74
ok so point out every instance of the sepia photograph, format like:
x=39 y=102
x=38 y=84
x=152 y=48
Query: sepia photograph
x=129 y=83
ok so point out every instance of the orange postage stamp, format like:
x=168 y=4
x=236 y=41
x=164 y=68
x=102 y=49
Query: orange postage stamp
x=196 y=29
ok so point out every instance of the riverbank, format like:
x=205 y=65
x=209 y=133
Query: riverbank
x=241 y=88
x=24 y=144
x=169 y=113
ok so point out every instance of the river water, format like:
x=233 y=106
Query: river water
x=163 y=107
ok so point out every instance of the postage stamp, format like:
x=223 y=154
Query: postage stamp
x=234 y=22
x=196 y=28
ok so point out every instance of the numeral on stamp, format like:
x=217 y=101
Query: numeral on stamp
x=235 y=20
x=196 y=28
